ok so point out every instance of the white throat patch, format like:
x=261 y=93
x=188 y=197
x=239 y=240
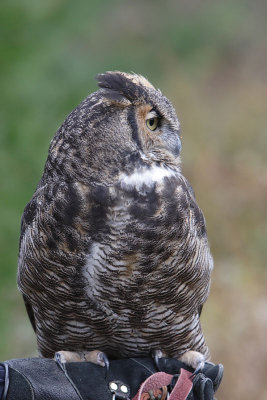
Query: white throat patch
x=147 y=176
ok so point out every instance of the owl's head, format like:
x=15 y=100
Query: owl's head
x=126 y=124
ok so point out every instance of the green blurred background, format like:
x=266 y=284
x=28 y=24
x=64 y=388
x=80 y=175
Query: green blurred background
x=209 y=58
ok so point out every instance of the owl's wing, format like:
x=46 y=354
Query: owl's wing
x=58 y=226
x=187 y=234
x=200 y=310
x=30 y=312
x=24 y=223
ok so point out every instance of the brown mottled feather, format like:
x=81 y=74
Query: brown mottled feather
x=114 y=252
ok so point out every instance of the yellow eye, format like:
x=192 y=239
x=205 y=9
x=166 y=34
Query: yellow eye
x=152 y=123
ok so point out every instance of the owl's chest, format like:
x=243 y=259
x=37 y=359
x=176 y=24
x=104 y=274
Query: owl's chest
x=138 y=242
x=142 y=198
x=140 y=217
x=132 y=224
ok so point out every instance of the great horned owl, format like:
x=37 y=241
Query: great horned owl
x=113 y=250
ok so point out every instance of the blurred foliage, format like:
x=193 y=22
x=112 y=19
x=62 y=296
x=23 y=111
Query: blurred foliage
x=209 y=57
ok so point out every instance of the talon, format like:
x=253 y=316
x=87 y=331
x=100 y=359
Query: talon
x=103 y=360
x=198 y=370
x=59 y=358
x=156 y=355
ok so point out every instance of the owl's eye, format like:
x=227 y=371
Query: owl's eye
x=152 y=123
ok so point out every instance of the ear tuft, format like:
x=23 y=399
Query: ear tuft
x=131 y=86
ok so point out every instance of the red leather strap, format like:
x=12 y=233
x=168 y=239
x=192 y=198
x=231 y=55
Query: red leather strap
x=183 y=386
x=156 y=381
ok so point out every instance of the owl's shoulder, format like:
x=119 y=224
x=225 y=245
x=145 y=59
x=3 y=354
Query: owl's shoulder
x=65 y=215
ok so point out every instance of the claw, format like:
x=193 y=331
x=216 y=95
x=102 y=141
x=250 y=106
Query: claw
x=103 y=360
x=156 y=355
x=60 y=360
x=198 y=369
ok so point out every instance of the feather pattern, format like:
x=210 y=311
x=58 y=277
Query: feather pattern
x=114 y=252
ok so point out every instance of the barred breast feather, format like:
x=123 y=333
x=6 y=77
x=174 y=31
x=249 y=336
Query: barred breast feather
x=113 y=251
x=116 y=268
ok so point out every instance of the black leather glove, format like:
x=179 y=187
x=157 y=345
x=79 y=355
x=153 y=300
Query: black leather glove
x=45 y=379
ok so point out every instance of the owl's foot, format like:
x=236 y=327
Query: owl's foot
x=193 y=359
x=95 y=356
